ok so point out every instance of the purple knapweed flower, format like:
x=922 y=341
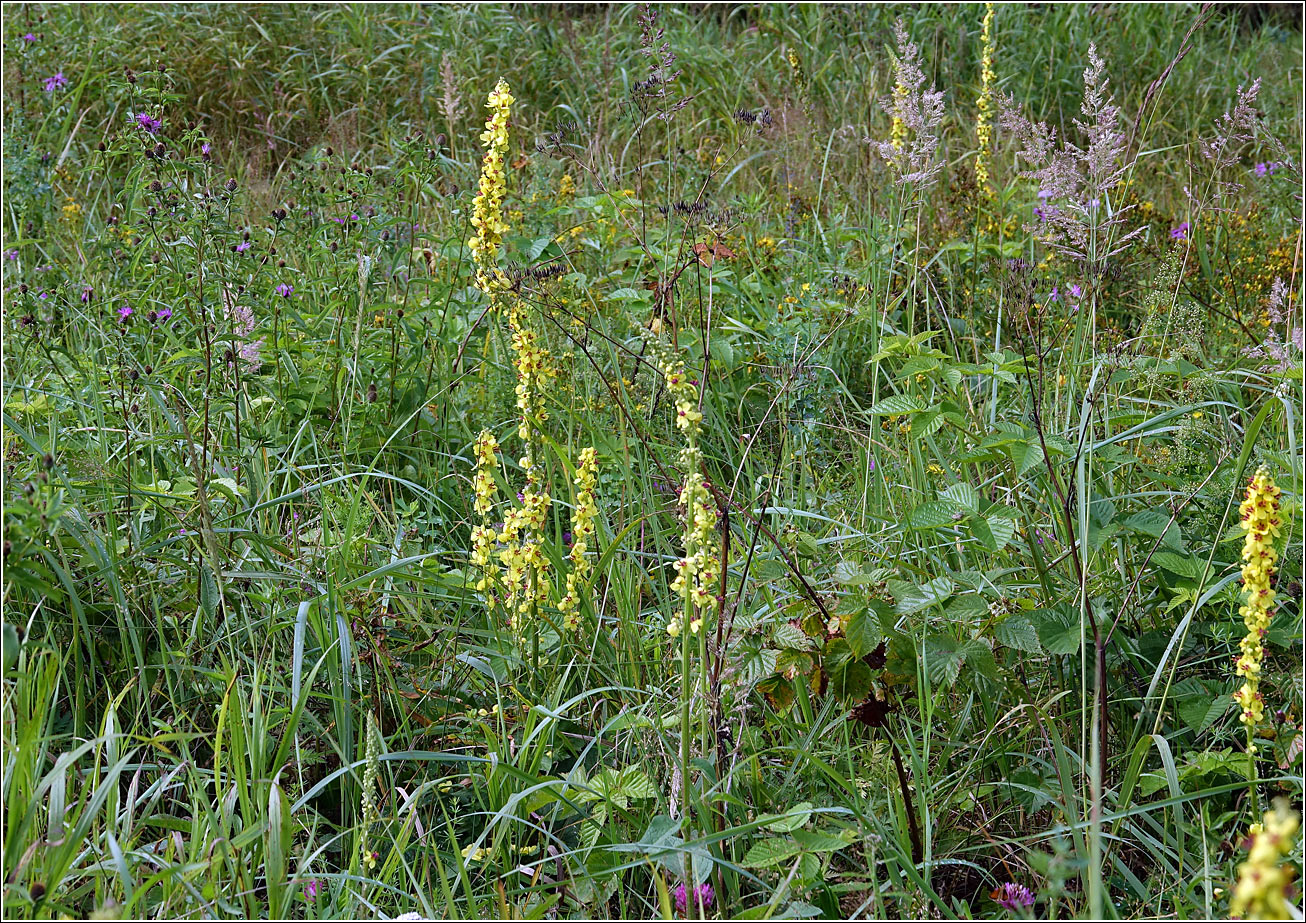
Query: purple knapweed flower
x=243 y=246
x=703 y=897
x=29 y=38
x=205 y=147
x=87 y=292
x=1180 y=233
x=148 y=123
x=125 y=312
x=1012 y=896
x=164 y=313
x=285 y=290
x=53 y=83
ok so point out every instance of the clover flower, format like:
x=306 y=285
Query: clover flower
x=1262 y=521
x=984 y=107
x=1011 y=896
x=582 y=524
x=1263 y=881
x=487 y=207
x=703 y=897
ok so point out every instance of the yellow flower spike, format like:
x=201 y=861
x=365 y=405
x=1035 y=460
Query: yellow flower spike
x=1263 y=879
x=1262 y=520
x=487 y=207
x=984 y=115
x=582 y=529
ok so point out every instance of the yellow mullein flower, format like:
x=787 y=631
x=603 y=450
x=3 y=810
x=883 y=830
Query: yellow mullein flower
x=1262 y=879
x=699 y=570
x=1262 y=521
x=582 y=529
x=984 y=117
x=487 y=208
x=484 y=535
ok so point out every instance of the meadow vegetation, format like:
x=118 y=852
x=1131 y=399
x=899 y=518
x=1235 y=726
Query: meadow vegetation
x=703 y=461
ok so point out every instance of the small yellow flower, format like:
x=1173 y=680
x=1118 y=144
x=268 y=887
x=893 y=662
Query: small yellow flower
x=1263 y=879
x=1262 y=521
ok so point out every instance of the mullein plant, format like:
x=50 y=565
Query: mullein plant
x=523 y=566
x=1262 y=520
x=1264 y=881
x=984 y=106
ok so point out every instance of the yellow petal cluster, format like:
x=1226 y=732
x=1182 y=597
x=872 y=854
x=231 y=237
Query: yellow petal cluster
x=984 y=116
x=487 y=208
x=582 y=530
x=1262 y=521
x=484 y=535
x=1263 y=880
x=699 y=571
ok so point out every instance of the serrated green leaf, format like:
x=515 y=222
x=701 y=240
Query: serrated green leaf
x=1018 y=633
x=897 y=404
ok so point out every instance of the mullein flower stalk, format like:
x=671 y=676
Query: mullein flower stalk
x=1263 y=879
x=485 y=534
x=582 y=530
x=984 y=106
x=487 y=208
x=1262 y=520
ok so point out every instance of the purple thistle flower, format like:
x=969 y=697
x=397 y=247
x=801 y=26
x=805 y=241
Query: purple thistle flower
x=164 y=313
x=1180 y=233
x=243 y=246
x=125 y=312
x=53 y=83
x=1011 y=896
x=285 y=290
x=205 y=147
x=148 y=123
x=29 y=38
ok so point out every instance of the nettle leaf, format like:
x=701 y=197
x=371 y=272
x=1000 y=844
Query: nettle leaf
x=1025 y=455
x=1157 y=524
x=769 y=852
x=897 y=404
x=935 y=513
x=1058 y=629
x=964 y=493
x=791 y=637
x=863 y=632
x=1018 y=633
x=937 y=591
x=1179 y=564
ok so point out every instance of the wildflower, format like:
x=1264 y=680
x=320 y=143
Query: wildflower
x=473 y=853
x=125 y=312
x=698 y=571
x=566 y=186
x=582 y=530
x=984 y=116
x=243 y=246
x=1180 y=233
x=11 y=254
x=1076 y=291
x=1011 y=896
x=311 y=889
x=371 y=775
x=703 y=897
x=1263 y=881
x=29 y=38
x=55 y=82
x=284 y=290
x=916 y=114
x=1262 y=521
x=147 y=123
x=163 y=314
x=243 y=324
x=487 y=207
x=483 y=536
x=1278 y=312
x=87 y=292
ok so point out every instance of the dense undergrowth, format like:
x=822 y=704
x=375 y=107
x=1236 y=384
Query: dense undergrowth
x=769 y=472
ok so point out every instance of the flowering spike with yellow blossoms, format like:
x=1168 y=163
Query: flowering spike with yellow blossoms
x=582 y=530
x=984 y=116
x=484 y=535
x=1262 y=520
x=699 y=570
x=1263 y=880
x=487 y=208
